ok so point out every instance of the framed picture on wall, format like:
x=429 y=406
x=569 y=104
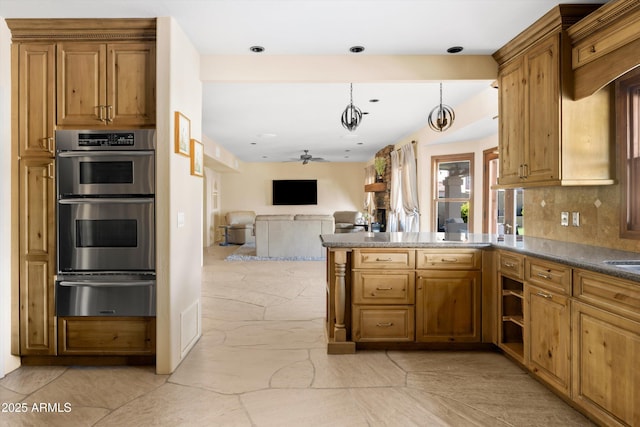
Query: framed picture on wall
x=183 y=134
x=197 y=158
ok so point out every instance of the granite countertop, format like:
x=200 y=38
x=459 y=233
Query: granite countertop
x=572 y=254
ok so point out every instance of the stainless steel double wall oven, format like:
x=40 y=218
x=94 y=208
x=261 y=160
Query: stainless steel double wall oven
x=106 y=223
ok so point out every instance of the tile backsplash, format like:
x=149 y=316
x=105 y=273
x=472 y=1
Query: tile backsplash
x=599 y=209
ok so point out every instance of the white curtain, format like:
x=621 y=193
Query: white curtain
x=395 y=215
x=409 y=189
x=369 y=178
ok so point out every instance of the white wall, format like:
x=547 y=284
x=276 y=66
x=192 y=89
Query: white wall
x=178 y=199
x=7 y=361
x=340 y=187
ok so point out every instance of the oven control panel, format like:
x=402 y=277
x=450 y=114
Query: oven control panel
x=119 y=139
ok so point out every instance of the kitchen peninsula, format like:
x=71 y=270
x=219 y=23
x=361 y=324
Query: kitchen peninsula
x=568 y=313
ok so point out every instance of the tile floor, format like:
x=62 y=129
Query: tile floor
x=262 y=362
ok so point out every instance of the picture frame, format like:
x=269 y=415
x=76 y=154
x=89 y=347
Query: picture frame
x=182 y=134
x=197 y=158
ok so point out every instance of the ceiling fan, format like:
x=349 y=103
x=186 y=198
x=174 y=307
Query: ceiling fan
x=306 y=158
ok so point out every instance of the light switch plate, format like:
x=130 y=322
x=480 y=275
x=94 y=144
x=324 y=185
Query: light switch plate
x=564 y=219
x=575 y=219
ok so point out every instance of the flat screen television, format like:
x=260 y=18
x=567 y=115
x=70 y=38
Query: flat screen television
x=295 y=192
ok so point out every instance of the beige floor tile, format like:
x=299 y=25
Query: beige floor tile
x=454 y=361
x=283 y=408
x=301 y=308
x=28 y=379
x=175 y=405
x=108 y=387
x=364 y=369
x=224 y=309
x=234 y=370
x=276 y=334
x=76 y=417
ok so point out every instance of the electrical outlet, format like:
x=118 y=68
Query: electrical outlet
x=564 y=219
x=575 y=219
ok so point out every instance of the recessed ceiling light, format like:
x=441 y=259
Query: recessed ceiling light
x=256 y=49
x=253 y=143
x=346 y=151
x=374 y=100
x=455 y=49
x=365 y=113
x=360 y=143
x=356 y=49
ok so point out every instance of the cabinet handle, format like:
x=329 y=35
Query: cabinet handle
x=50 y=172
x=383 y=289
x=526 y=171
x=101 y=113
x=544 y=295
x=520 y=174
x=109 y=113
x=509 y=265
x=384 y=325
x=384 y=259
x=450 y=260
x=544 y=276
x=50 y=144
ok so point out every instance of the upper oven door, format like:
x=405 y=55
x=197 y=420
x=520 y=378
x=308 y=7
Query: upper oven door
x=103 y=173
x=106 y=234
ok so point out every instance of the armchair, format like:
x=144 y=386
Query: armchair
x=345 y=221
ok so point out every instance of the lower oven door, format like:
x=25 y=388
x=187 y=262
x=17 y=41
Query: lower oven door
x=106 y=298
x=106 y=234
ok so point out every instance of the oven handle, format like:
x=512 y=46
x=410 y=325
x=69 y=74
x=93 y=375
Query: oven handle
x=125 y=200
x=113 y=284
x=103 y=153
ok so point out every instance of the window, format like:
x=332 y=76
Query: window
x=452 y=209
x=500 y=206
x=628 y=134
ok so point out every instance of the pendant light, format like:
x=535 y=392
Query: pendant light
x=352 y=116
x=442 y=116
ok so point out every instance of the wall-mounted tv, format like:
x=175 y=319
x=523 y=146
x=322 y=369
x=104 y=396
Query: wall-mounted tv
x=295 y=192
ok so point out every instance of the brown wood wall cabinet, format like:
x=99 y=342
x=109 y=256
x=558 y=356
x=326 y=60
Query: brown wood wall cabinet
x=71 y=73
x=605 y=45
x=546 y=137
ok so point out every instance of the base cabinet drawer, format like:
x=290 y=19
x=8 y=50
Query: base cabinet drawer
x=380 y=324
x=383 y=287
x=100 y=336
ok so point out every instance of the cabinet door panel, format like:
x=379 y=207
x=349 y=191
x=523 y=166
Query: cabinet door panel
x=607 y=379
x=547 y=320
x=542 y=147
x=37 y=257
x=131 y=84
x=512 y=121
x=36 y=85
x=448 y=306
x=81 y=83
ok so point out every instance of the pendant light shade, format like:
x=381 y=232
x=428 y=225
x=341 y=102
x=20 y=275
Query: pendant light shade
x=442 y=116
x=352 y=116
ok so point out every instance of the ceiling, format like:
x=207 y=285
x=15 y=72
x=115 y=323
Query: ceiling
x=277 y=121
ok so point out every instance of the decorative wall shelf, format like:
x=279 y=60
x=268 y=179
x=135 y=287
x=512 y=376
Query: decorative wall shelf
x=376 y=187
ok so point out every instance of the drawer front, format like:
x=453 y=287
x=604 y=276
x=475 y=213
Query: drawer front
x=383 y=287
x=511 y=265
x=617 y=295
x=384 y=259
x=549 y=275
x=454 y=259
x=380 y=324
x=106 y=336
